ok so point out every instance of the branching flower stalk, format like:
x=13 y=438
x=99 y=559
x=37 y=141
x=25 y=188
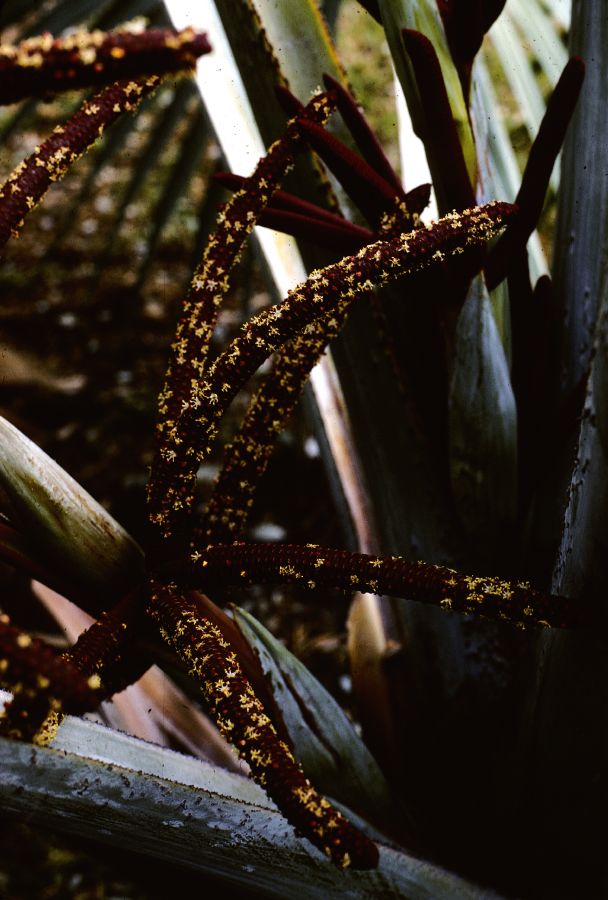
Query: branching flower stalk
x=197 y=393
x=377 y=263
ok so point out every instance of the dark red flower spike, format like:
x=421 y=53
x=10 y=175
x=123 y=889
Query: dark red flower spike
x=26 y=186
x=201 y=307
x=371 y=183
x=41 y=683
x=243 y=720
x=246 y=457
x=108 y=647
x=535 y=181
x=367 y=143
x=368 y=190
x=312 y=566
x=300 y=218
x=45 y=65
x=377 y=263
x=452 y=178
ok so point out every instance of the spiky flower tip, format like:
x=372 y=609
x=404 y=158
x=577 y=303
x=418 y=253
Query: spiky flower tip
x=242 y=719
x=312 y=566
x=320 y=295
x=42 y=684
x=49 y=162
x=208 y=287
x=46 y=65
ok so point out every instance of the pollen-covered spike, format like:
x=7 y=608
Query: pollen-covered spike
x=367 y=143
x=370 y=191
x=209 y=284
x=442 y=134
x=106 y=647
x=267 y=332
x=41 y=683
x=537 y=172
x=45 y=65
x=312 y=566
x=49 y=162
x=243 y=720
x=247 y=457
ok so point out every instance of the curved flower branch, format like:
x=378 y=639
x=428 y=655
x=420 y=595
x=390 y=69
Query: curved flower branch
x=377 y=263
x=27 y=185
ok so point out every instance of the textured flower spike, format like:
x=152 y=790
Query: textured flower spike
x=106 y=648
x=49 y=162
x=45 y=65
x=209 y=284
x=247 y=457
x=42 y=683
x=369 y=180
x=242 y=719
x=313 y=566
x=442 y=136
x=321 y=294
x=541 y=159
